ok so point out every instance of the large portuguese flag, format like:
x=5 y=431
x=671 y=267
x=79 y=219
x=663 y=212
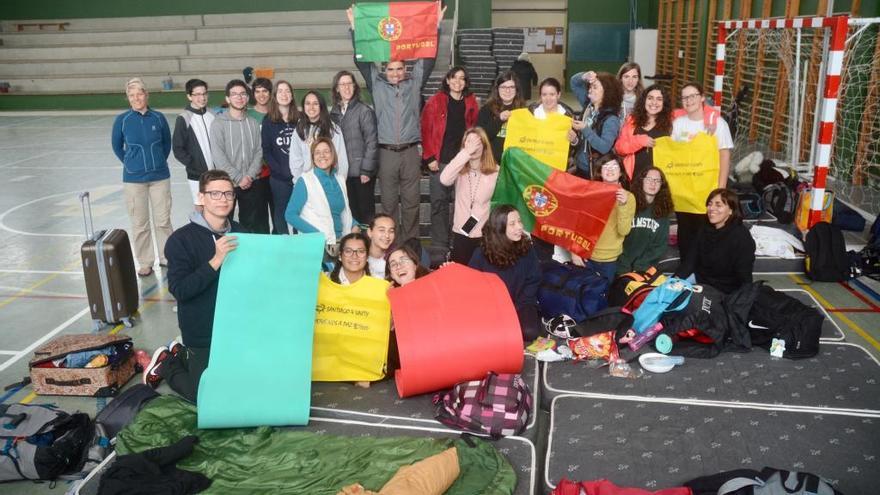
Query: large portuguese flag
x=395 y=31
x=557 y=207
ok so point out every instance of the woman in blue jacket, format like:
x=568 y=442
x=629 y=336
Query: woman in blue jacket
x=141 y=140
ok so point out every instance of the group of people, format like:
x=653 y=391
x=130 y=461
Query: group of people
x=313 y=168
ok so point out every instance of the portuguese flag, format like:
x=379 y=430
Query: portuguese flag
x=395 y=31
x=557 y=207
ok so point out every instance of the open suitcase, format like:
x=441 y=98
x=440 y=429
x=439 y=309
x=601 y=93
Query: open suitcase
x=111 y=282
x=104 y=381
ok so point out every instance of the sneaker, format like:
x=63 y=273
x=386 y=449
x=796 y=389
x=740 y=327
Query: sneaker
x=175 y=346
x=151 y=372
x=560 y=326
x=141 y=359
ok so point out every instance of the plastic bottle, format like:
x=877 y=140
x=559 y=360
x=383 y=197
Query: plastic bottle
x=643 y=338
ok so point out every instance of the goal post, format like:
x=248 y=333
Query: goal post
x=815 y=97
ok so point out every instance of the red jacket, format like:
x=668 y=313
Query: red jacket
x=434 y=122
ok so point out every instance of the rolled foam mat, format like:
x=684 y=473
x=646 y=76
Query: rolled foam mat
x=841 y=377
x=379 y=403
x=453 y=325
x=261 y=347
x=659 y=445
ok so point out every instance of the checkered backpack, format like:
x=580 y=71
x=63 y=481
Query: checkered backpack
x=498 y=405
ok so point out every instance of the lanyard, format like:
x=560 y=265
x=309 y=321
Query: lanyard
x=473 y=187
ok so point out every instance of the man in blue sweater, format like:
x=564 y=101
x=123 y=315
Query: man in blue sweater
x=195 y=253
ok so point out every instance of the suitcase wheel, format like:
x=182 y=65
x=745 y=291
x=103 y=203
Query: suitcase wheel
x=128 y=322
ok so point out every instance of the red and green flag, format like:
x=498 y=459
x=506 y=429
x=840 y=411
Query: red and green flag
x=395 y=31
x=557 y=207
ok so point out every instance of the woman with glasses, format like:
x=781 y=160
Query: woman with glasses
x=650 y=119
x=358 y=124
x=504 y=98
x=319 y=202
x=275 y=133
x=647 y=241
x=444 y=119
x=685 y=128
x=314 y=123
x=351 y=264
x=474 y=173
x=402 y=266
x=507 y=251
x=141 y=140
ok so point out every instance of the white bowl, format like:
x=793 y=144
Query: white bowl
x=644 y=360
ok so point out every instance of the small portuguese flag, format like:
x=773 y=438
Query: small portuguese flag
x=557 y=207
x=395 y=31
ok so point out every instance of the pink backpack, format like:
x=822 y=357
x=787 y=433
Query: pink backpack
x=498 y=405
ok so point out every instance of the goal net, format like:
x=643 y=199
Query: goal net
x=783 y=70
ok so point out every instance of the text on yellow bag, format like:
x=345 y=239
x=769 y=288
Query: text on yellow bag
x=691 y=168
x=544 y=139
x=352 y=326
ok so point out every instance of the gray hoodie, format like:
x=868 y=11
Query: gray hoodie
x=198 y=218
x=236 y=146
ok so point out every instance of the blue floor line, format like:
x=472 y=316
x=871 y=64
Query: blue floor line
x=10 y=393
x=871 y=292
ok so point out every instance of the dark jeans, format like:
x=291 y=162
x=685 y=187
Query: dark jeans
x=441 y=196
x=183 y=372
x=253 y=207
x=281 y=192
x=361 y=199
x=688 y=226
x=463 y=248
x=529 y=322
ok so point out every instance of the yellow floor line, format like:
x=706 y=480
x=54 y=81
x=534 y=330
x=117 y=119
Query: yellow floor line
x=842 y=317
x=31 y=396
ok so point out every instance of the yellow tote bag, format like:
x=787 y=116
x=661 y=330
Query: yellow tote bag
x=802 y=212
x=352 y=326
x=691 y=168
x=546 y=140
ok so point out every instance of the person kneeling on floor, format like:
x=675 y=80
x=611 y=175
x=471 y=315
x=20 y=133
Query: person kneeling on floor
x=195 y=254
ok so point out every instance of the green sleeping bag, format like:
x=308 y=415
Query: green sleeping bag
x=293 y=460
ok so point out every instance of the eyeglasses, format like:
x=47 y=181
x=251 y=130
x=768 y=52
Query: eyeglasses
x=651 y=180
x=507 y=87
x=354 y=252
x=216 y=195
x=690 y=97
x=399 y=263
x=345 y=85
x=238 y=95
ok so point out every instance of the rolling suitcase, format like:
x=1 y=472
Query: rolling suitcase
x=111 y=282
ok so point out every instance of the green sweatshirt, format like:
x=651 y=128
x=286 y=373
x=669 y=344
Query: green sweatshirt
x=646 y=242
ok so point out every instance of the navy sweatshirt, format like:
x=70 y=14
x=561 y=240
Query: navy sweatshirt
x=522 y=278
x=275 y=138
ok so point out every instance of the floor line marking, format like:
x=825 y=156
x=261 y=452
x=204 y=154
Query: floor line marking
x=45 y=338
x=41 y=155
x=858 y=295
x=36 y=285
x=27 y=400
x=43 y=272
x=871 y=340
x=871 y=292
x=12 y=353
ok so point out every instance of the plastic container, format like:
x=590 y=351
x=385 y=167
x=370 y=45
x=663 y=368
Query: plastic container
x=659 y=363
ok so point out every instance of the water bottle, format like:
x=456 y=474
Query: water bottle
x=643 y=338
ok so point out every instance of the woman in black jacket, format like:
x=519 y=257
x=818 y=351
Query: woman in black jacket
x=506 y=96
x=723 y=253
x=358 y=123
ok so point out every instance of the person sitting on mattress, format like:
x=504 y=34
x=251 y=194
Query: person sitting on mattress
x=507 y=251
x=351 y=263
x=723 y=254
x=195 y=253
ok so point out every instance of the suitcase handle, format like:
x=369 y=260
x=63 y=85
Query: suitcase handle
x=88 y=221
x=69 y=383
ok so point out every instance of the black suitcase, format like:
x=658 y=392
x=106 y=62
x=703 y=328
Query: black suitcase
x=111 y=282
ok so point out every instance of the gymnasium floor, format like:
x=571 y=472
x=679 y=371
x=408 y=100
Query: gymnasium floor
x=48 y=159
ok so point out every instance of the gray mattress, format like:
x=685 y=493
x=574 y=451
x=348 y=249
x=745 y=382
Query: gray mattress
x=381 y=404
x=661 y=445
x=842 y=377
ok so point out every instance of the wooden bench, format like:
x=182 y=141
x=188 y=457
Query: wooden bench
x=20 y=26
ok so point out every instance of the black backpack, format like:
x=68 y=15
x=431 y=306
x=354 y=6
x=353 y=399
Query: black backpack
x=776 y=315
x=826 y=259
x=780 y=201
